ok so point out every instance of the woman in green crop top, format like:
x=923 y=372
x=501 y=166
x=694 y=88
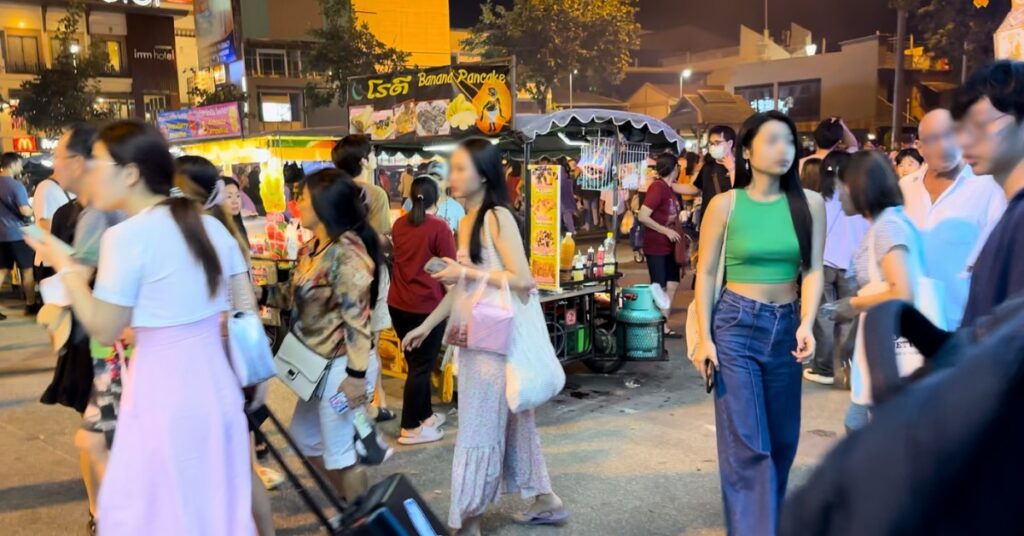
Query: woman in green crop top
x=755 y=337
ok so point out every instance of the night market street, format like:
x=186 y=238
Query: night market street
x=632 y=453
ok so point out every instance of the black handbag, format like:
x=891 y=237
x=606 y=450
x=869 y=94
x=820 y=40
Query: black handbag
x=392 y=507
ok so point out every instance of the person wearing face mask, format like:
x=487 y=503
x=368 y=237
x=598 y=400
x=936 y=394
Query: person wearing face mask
x=954 y=209
x=719 y=169
x=753 y=340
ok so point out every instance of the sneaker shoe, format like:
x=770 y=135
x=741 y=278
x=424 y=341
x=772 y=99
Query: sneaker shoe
x=271 y=478
x=423 y=434
x=660 y=298
x=439 y=419
x=812 y=376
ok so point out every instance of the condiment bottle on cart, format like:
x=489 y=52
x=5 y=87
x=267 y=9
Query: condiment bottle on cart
x=568 y=248
x=609 y=255
x=599 y=262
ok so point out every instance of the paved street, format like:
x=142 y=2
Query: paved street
x=631 y=453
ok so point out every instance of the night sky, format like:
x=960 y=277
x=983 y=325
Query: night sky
x=836 y=21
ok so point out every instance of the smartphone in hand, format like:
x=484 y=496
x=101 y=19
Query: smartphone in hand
x=37 y=233
x=435 y=265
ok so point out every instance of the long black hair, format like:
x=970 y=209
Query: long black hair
x=348 y=154
x=832 y=168
x=487 y=163
x=141 y=145
x=789 y=182
x=337 y=201
x=197 y=178
x=424 y=192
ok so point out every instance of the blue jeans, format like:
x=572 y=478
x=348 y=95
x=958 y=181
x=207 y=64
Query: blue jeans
x=757 y=409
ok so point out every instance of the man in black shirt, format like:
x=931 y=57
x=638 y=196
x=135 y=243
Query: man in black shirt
x=716 y=175
x=989 y=110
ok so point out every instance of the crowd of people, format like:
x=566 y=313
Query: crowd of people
x=792 y=252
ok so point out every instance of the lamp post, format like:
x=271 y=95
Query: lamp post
x=74 y=48
x=684 y=74
x=573 y=73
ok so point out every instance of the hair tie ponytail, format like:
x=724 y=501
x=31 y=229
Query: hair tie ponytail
x=216 y=196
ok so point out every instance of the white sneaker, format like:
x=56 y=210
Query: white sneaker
x=423 y=434
x=661 y=299
x=811 y=376
x=439 y=419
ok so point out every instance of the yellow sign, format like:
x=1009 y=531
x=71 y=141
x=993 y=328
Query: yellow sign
x=545 y=225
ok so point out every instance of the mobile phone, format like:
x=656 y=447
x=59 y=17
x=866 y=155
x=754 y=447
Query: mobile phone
x=709 y=375
x=35 y=232
x=435 y=265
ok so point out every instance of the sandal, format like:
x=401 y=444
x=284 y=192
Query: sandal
x=672 y=334
x=555 y=517
x=384 y=415
x=638 y=257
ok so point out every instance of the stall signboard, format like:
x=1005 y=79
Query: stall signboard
x=457 y=100
x=201 y=123
x=545 y=225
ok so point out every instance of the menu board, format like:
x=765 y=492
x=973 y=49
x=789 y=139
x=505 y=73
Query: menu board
x=457 y=100
x=202 y=122
x=545 y=225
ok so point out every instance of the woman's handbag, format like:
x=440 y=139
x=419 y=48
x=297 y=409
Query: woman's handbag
x=299 y=367
x=533 y=374
x=248 y=350
x=692 y=328
x=479 y=323
x=929 y=299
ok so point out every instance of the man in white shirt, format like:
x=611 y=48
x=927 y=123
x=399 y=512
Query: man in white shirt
x=954 y=209
x=50 y=195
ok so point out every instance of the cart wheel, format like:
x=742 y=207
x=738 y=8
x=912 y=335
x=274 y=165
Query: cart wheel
x=604 y=345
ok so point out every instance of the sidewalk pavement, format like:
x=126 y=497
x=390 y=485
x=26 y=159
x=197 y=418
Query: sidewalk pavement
x=631 y=453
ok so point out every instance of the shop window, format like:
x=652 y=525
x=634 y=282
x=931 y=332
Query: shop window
x=114 y=47
x=22 y=54
x=154 y=105
x=121 y=107
x=294 y=64
x=280 y=107
x=801 y=100
x=761 y=98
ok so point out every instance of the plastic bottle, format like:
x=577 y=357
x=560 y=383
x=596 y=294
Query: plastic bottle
x=291 y=241
x=599 y=262
x=577 y=270
x=609 y=255
x=590 y=263
x=370 y=447
x=568 y=247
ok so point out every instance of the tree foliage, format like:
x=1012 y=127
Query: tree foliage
x=551 y=38
x=342 y=49
x=65 y=93
x=953 y=28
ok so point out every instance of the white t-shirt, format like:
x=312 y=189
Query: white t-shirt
x=48 y=197
x=145 y=264
x=954 y=229
x=842 y=234
x=607 y=201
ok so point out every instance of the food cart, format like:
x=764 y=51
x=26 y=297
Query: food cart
x=583 y=309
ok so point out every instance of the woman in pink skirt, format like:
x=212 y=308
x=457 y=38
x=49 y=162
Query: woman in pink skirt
x=180 y=459
x=495 y=448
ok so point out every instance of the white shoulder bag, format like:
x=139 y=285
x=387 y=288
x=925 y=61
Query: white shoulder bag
x=692 y=326
x=929 y=299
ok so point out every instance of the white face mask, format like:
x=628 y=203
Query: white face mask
x=718 y=152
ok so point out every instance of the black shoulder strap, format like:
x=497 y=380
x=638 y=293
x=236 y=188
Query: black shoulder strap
x=53 y=180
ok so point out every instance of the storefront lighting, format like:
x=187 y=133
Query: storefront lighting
x=450 y=147
x=21 y=24
x=99 y=100
x=872 y=136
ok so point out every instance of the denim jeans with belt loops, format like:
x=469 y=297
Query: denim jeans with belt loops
x=757 y=409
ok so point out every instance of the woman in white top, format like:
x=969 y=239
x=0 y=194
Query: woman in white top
x=180 y=460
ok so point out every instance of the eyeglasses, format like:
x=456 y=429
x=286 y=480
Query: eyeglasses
x=973 y=130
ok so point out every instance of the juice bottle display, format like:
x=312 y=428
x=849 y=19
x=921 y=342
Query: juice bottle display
x=567 y=249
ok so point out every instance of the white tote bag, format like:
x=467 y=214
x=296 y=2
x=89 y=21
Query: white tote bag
x=929 y=299
x=533 y=374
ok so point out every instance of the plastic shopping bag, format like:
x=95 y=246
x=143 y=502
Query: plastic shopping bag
x=533 y=374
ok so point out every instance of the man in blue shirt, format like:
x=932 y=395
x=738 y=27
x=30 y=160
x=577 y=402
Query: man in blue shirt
x=15 y=212
x=989 y=110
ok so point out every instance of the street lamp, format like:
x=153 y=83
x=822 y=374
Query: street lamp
x=685 y=74
x=811 y=49
x=75 y=48
x=573 y=73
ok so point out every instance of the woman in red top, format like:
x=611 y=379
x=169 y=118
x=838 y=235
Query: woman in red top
x=418 y=237
x=659 y=212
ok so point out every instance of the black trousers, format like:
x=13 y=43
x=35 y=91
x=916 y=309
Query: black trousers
x=416 y=404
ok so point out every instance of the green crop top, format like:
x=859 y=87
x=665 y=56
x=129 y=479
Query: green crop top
x=761 y=245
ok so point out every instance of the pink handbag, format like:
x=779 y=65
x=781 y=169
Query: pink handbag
x=482 y=324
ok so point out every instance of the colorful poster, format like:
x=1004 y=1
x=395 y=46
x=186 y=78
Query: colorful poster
x=203 y=122
x=545 y=225
x=460 y=100
x=216 y=36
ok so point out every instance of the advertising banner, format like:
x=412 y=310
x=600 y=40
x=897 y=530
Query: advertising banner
x=203 y=122
x=216 y=35
x=545 y=225
x=459 y=100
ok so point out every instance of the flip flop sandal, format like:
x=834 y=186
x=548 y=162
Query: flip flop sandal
x=556 y=517
x=384 y=415
x=672 y=334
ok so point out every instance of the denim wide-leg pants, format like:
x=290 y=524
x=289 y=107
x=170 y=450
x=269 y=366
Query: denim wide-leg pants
x=757 y=409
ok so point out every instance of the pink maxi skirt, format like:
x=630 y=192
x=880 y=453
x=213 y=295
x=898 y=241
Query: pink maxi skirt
x=180 y=461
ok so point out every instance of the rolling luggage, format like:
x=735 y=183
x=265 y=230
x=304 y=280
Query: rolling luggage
x=391 y=507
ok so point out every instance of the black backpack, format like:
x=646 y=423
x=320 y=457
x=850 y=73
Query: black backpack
x=944 y=452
